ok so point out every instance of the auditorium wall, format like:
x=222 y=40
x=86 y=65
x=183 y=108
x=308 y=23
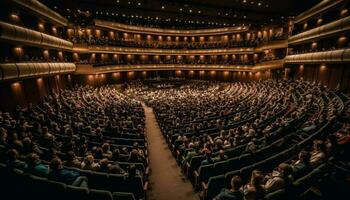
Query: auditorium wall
x=335 y=75
x=30 y=90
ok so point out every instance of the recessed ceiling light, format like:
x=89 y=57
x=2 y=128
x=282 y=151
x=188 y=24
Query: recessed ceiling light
x=163 y=7
x=199 y=11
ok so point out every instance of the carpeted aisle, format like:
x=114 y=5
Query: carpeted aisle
x=166 y=180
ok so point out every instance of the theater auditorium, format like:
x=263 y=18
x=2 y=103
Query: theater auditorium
x=175 y=99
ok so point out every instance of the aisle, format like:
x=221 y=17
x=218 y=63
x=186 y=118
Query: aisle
x=166 y=180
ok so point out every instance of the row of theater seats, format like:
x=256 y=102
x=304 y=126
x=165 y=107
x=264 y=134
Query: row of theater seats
x=16 y=184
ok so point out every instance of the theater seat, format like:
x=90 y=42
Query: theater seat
x=100 y=195
x=215 y=184
x=73 y=192
x=123 y=196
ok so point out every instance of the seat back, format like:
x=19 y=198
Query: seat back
x=123 y=196
x=74 y=192
x=215 y=184
x=220 y=168
x=100 y=195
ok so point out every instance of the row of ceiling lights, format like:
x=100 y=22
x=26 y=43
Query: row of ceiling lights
x=167 y=19
x=259 y=3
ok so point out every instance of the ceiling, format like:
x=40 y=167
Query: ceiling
x=184 y=13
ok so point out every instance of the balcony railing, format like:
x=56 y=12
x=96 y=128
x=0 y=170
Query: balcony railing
x=13 y=71
x=27 y=36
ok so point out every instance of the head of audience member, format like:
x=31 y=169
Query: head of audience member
x=236 y=183
x=56 y=164
x=304 y=157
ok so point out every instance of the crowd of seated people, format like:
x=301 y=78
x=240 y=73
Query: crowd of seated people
x=218 y=130
x=105 y=41
x=27 y=58
x=83 y=129
x=171 y=61
x=164 y=45
x=332 y=48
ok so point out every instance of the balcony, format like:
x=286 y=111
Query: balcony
x=21 y=35
x=334 y=56
x=324 y=31
x=89 y=69
x=14 y=71
x=153 y=51
x=41 y=10
x=169 y=32
x=277 y=44
x=317 y=9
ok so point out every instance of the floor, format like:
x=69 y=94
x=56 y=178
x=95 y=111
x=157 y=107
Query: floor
x=166 y=180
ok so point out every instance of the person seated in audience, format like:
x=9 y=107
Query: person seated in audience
x=234 y=192
x=319 y=153
x=255 y=189
x=3 y=136
x=132 y=171
x=135 y=156
x=30 y=147
x=106 y=152
x=302 y=166
x=98 y=153
x=138 y=149
x=13 y=161
x=89 y=163
x=190 y=154
x=279 y=178
x=72 y=160
x=208 y=159
x=35 y=167
x=104 y=165
x=115 y=169
x=221 y=156
x=58 y=173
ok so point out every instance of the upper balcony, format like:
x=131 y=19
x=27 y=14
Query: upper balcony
x=21 y=35
x=151 y=51
x=317 y=10
x=170 y=32
x=328 y=30
x=39 y=9
x=17 y=71
x=333 y=56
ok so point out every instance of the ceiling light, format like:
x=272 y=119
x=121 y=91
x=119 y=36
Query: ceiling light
x=163 y=7
x=190 y=11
